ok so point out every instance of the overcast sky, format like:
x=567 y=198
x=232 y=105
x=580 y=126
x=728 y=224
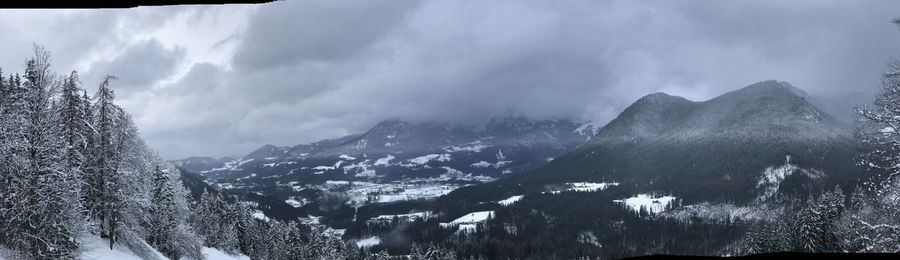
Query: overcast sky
x=224 y=80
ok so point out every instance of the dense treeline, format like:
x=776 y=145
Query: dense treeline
x=74 y=166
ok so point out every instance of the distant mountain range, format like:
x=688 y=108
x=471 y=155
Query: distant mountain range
x=397 y=150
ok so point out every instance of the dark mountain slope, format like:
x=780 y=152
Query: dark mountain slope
x=718 y=150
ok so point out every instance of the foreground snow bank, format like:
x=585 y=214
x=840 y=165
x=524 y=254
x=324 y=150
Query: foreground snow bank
x=215 y=254
x=96 y=248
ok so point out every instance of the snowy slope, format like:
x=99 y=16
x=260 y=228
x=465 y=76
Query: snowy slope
x=96 y=248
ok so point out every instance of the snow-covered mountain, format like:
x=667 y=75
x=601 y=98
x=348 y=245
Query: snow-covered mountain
x=195 y=164
x=397 y=150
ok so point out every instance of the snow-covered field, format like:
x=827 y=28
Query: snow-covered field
x=469 y=222
x=647 y=202
x=362 y=193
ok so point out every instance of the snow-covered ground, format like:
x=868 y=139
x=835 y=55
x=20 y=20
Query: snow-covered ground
x=96 y=248
x=414 y=193
x=469 y=222
x=362 y=193
x=771 y=178
x=510 y=200
x=215 y=254
x=649 y=203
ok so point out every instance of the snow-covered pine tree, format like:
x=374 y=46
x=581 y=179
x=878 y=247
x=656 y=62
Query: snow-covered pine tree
x=188 y=243
x=75 y=130
x=12 y=161
x=46 y=208
x=814 y=228
x=437 y=252
x=163 y=224
x=416 y=252
x=103 y=178
x=249 y=232
x=217 y=223
x=769 y=237
x=381 y=255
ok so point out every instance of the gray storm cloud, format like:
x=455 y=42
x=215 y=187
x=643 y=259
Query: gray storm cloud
x=300 y=71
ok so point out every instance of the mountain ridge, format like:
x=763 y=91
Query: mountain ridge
x=713 y=150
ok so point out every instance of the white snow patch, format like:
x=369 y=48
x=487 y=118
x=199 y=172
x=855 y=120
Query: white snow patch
x=482 y=164
x=421 y=160
x=771 y=178
x=347 y=157
x=426 y=192
x=252 y=175
x=384 y=161
x=230 y=166
x=474 y=217
x=297 y=203
x=588 y=237
x=647 y=202
x=368 y=242
x=581 y=129
x=469 y=222
x=510 y=200
x=259 y=215
x=473 y=147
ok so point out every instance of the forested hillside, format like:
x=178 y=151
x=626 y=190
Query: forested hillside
x=75 y=169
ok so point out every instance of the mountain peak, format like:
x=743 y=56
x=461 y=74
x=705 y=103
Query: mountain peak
x=770 y=88
x=761 y=110
x=660 y=97
x=267 y=151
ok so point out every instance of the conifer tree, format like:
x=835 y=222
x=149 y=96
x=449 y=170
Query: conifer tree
x=163 y=223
